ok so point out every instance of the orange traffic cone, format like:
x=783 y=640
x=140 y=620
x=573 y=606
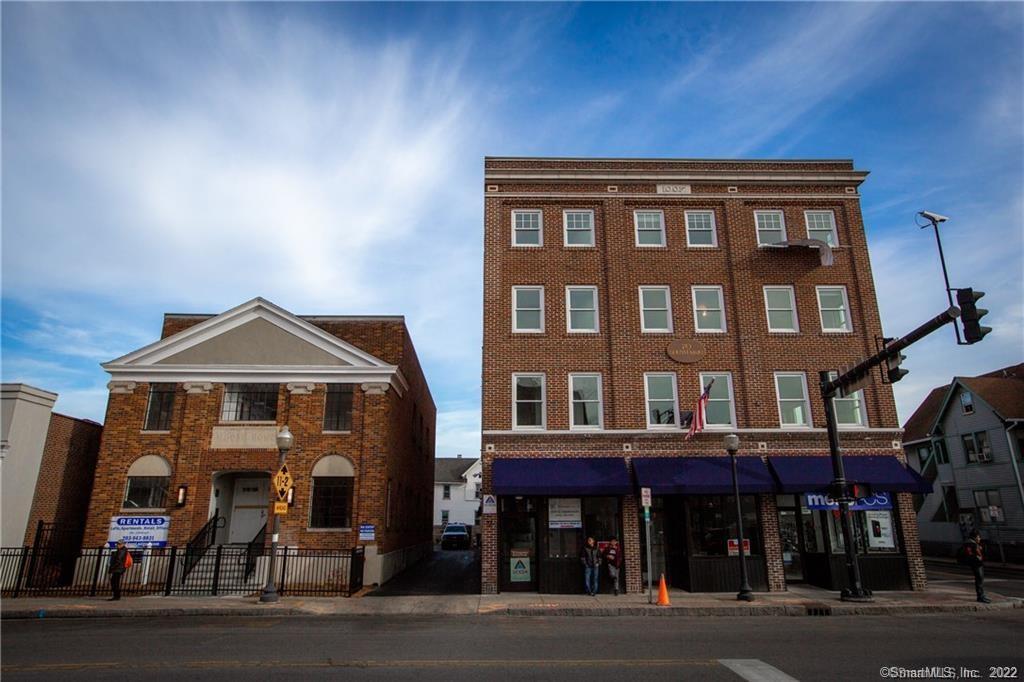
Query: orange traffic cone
x=663 y=593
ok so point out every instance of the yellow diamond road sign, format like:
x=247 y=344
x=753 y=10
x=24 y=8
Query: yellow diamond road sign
x=282 y=482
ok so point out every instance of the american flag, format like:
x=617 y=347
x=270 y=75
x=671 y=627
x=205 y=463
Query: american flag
x=697 y=421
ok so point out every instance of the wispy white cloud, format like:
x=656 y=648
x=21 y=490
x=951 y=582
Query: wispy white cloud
x=458 y=430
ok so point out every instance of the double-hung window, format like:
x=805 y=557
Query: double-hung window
x=161 y=405
x=780 y=308
x=771 y=227
x=966 y=402
x=794 y=407
x=579 y=228
x=976 y=447
x=586 y=402
x=528 y=401
x=849 y=410
x=655 y=309
x=834 y=309
x=527 y=228
x=720 y=410
x=708 y=309
x=249 y=403
x=700 y=229
x=581 y=309
x=446 y=492
x=338 y=408
x=650 y=228
x=662 y=402
x=821 y=225
x=989 y=504
x=528 y=309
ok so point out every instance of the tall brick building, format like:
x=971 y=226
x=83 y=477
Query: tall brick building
x=192 y=420
x=615 y=292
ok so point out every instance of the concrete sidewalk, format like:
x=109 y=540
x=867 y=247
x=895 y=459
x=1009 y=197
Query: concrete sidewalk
x=798 y=601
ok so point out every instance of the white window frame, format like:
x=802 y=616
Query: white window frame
x=757 y=226
x=565 y=228
x=668 y=302
x=807 y=400
x=732 y=400
x=647 y=402
x=515 y=308
x=636 y=229
x=969 y=402
x=540 y=228
x=846 y=306
x=835 y=229
x=543 y=401
x=568 y=310
x=721 y=302
x=862 y=411
x=792 y=300
x=600 y=402
x=714 y=229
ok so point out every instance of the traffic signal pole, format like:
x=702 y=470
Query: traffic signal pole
x=945 y=273
x=845 y=383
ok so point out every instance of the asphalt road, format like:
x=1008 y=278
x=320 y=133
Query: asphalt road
x=444 y=572
x=493 y=647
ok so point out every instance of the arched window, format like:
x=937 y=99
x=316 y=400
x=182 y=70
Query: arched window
x=148 y=479
x=331 y=505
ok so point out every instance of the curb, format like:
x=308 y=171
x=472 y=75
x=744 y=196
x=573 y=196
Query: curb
x=811 y=610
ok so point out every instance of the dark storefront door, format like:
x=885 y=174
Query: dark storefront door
x=789 y=530
x=517 y=569
x=561 y=571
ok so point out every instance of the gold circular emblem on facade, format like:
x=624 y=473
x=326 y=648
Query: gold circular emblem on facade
x=686 y=351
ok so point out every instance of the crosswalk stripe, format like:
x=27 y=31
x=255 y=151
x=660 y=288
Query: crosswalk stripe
x=755 y=670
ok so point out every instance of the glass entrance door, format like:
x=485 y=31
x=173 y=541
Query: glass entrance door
x=792 y=544
x=518 y=567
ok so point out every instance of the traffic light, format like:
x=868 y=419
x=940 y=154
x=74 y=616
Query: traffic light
x=971 y=314
x=892 y=367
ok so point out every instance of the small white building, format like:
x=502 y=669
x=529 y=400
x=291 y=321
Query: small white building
x=456 y=491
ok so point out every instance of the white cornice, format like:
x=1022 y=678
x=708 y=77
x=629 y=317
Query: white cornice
x=665 y=197
x=675 y=176
x=673 y=432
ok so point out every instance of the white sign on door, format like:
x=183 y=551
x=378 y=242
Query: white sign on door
x=565 y=512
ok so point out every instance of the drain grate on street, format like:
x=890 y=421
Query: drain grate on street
x=818 y=610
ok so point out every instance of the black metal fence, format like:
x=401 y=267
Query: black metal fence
x=223 y=570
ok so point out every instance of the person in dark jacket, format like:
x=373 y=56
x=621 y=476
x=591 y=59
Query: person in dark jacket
x=590 y=557
x=117 y=567
x=975 y=554
x=613 y=559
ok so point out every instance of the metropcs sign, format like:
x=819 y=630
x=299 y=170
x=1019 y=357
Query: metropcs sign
x=822 y=501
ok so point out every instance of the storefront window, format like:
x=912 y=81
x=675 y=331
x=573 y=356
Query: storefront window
x=563 y=543
x=601 y=518
x=713 y=523
x=874 y=531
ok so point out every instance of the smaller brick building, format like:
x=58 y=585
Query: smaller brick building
x=192 y=421
x=48 y=465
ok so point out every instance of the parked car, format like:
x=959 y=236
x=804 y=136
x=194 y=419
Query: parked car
x=455 y=536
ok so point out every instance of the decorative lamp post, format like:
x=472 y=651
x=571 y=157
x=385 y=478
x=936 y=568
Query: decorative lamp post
x=732 y=444
x=285 y=440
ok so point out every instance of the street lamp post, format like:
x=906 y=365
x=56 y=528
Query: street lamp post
x=732 y=444
x=285 y=439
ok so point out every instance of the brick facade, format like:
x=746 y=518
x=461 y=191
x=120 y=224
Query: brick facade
x=65 y=476
x=391 y=441
x=613 y=189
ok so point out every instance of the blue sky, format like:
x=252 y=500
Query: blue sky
x=187 y=157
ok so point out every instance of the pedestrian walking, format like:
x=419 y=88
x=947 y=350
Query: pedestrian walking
x=613 y=559
x=973 y=554
x=590 y=557
x=120 y=561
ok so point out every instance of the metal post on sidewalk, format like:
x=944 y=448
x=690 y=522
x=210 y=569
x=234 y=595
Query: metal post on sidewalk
x=284 y=444
x=732 y=444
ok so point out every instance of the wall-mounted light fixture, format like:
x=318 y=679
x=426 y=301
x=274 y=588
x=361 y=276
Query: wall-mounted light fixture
x=182 y=495
x=291 y=496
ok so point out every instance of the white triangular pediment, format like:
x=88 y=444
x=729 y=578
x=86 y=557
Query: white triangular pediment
x=254 y=334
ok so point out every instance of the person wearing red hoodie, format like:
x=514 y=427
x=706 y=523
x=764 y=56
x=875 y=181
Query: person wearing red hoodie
x=613 y=558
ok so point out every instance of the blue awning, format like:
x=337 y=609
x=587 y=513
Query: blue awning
x=701 y=475
x=814 y=473
x=570 y=476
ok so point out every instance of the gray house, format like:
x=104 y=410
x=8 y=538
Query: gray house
x=967 y=438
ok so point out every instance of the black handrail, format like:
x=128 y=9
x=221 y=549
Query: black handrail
x=253 y=550
x=198 y=545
